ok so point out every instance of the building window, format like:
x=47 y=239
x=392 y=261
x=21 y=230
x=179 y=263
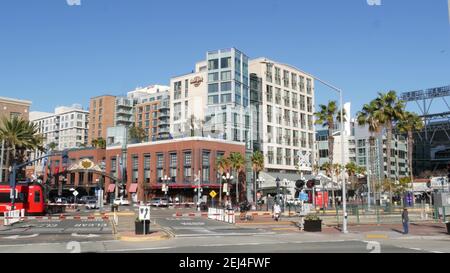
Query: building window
x=205 y=166
x=173 y=166
x=213 y=64
x=225 y=75
x=225 y=98
x=147 y=167
x=213 y=99
x=160 y=166
x=213 y=77
x=187 y=166
x=213 y=88
x=135 y=167
x=225 y=86
x=279 y=156
x=225 y=62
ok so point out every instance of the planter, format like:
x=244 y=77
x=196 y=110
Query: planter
x=448 y=227
x=139 y=227
x=313 y=226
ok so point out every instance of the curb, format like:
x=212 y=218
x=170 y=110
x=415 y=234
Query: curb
x=143 y=238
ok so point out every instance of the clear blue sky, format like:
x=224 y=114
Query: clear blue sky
x=55 y=54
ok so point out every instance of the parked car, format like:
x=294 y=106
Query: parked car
x=121 y=202
x=159 y=202
x=91 y=204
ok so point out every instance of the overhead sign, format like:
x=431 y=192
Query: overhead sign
x=213 y=194
x=144 y=213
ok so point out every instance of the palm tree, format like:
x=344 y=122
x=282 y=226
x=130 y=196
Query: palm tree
x=408 y=124
x=94 y=143
x=20 y=136
x=391 y=110
x=99 y=143
x=52 y=146
x=328 y=116
x=257 y=166
x=369 y=116
x=137 y=134
x=237 y=162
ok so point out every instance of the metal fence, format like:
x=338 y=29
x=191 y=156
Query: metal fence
x=376 y=214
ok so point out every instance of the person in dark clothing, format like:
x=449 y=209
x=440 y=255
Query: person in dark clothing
x=405 y=220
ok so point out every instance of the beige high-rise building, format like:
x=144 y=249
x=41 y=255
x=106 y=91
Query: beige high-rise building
x=286 y=112
x=10 y=107
x=102 y=111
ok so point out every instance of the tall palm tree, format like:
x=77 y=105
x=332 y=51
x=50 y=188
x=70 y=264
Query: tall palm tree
x=408 y=124
x=137 y=134
x=391 y=109
x=257 y=166
x=328 y=116
x=52 y=146
x=20 y=136
x=369 y=116
x=237 y=163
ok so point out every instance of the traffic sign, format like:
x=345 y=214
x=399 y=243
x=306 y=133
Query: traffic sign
x=75 y=193
x=144 y=213
x=213 y=194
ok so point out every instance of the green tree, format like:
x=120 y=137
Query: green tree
x=99 y=143
x=408 y=124
x=391 y=110
x=237 y=163
x=137 y=134
x=257 y=166
x=328 y=116
x=20 y=137
x=369 y=116
x=52 y=146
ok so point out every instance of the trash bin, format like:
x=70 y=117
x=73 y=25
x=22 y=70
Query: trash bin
x=448 y=227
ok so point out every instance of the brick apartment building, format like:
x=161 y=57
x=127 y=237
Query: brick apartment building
x=182 y=160
x=14 y=107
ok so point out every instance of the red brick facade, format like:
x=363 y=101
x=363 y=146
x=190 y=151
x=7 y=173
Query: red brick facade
x=144 y=169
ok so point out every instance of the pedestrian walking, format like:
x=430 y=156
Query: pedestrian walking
x=276 y=211
x=405 y=220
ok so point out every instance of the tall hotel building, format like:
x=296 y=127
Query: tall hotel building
x=283 y=106
x=214 y=101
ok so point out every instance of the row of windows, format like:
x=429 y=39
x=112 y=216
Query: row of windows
x=289 y=99
x=173 y=166
x=280 y=156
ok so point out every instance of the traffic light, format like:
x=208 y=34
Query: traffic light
x=311 y=183
x=299 y=184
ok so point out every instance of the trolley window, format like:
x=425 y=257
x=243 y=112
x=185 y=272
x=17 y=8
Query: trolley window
x=37 y=196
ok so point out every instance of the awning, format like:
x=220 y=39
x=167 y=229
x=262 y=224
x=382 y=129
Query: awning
x=133 y=187
x=111 y=187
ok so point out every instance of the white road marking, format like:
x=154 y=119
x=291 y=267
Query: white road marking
x=139 y=249
x=14 y=237
x=85 y=236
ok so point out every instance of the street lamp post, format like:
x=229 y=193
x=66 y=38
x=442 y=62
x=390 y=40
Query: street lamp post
x=227 y=177
x=259 y=181
x=344 y=194
x=165 y=185
x=278 y=190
